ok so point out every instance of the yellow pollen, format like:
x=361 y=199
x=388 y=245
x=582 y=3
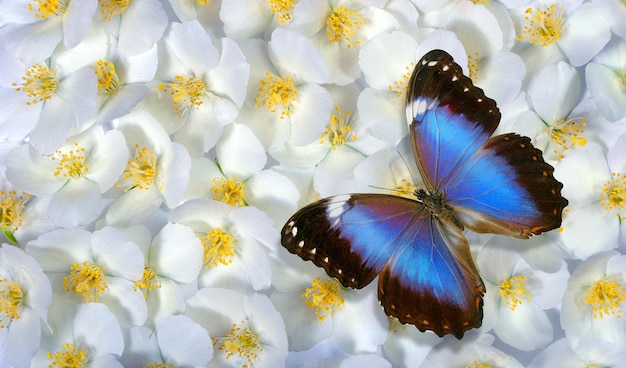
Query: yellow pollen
x=342 y=25
x=229 y=191
x=203 y=2
x=325 y=296
x=148 y=282
x=71 y=164
x=11 y=301
x=47 y=8
x=479 y=2
x=566 y=134
x=39 y=84
x=186 y=92
x=514 y=292
x=405 y=189
x=400 y=86
x=158 y=365
x=11 y=206
x=240 y=341
x=219 y=248
x=276 y=93
x=604 y=297
x=394 y=325
x=544 y=26
x=477 y=364
x=282 y=9
x=112 y=8
x=68 y=357
x=473 y=64
x=338 y=129
x=108 y=81
x=87 y=281
x=141 y=170
x=613 y=196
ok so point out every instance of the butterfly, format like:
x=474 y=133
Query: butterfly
x=416 y=247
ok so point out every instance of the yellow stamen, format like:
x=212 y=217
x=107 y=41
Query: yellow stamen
x=405 y=188
x=148 y=282
x=186 y=92
x=108 y=81
x=342 y=25
x=282 y=9
x=240 y=341
x=140 y=171
x=229 y=191
x=325 y=296
x=394 y=325
x=400 y=86
x=87 y=281
x=473 y=64
x=11 y=215
x=68 y=357
x=338 y=129
x=112 y=8
x=566 y=134
x=219 y=248
x=477 y=364
x=613 y=196
x=513 y=292
x=604 y=298
x=48 y=8
x=71 y=164
x=203 y=2
x=544 y=26
x=39 y=84
x=11 y=302
x=277 y=93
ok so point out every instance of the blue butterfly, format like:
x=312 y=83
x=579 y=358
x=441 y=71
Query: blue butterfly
x=426 y=275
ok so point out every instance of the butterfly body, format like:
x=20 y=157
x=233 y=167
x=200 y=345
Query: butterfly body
x=426 y=274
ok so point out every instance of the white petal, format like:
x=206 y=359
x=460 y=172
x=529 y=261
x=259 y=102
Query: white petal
x=586 y=33
x=141 y=26
x=108 y=160
x=191 y=45
x=293 y=54
x=383 y=113
x=176 y=253
x=311 y=114
x=607 y=89
x=555 y=92
x=244 y=18
x=31 y=172
x=385 y=58
x=183 y=342
x=174 y=174
x=230 y=77
x=272 y=193
x=77 y=203
x=76 y=21
x=98 y=329
x=57 y=251
x=116 y=255
x=526 y=328
x=239 y=152
x=476 y=27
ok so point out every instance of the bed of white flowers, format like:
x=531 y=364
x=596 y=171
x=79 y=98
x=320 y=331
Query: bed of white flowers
x=151 y=151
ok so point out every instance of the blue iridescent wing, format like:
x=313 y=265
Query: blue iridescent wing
x=496 y=185
x=427 y=276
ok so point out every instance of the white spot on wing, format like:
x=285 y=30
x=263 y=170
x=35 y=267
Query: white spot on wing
x=465 y=89
x=313 y=251
x=432 y=63
x=445 y=68
x=301 y=244
x=294 y=231
x=455 y=78
x=326 y=260
x=335 y=208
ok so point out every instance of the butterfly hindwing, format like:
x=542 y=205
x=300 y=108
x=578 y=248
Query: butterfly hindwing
x=497 y=185
x=427 y=276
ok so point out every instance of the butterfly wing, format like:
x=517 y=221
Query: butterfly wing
x=497 y=185
x=427 y=276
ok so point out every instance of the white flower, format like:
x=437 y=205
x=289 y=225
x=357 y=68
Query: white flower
x=176 y=342
x=204 y=11
x=238 y=178
x=586 y=353
x=595 y=299
x=86 y=334
x=316 y=306
x=74 y=177
x=406 y=345
x=94 y=267
x=157 y=171
x=236 y=242
x=25 y=296
x=472 y=351
x=44 y=101
x=248 y=18
x=200 y=86
x=614 y=13
x=605 y=79
x=517 y=296
x=35 y=28
x=246 y=330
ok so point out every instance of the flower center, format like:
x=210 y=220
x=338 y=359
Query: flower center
x=87 y=281
x=71 y=163
x=140 y=171
x=240 y=341
x=159 y=365
x=186 y=92
x=228 y=191
x=282 y=9
x=405 y=188
x=325 y=296
x=473 y=64
x=39 y=84
x=544 y=26
x=613 y=196
x=148 y=282
x=112 y=8
x=400 y=86
x=483 y=2
x=68 y=357
x=566 y=134
x=11 y=206
x=604 y=298
x=277 y=93
x=219 y=248
x=394 y=325
x=338 y=128
x=11 y=301
x=513 y=291
x=342 y=25
x=477 y=364
x=48 y=8
x=108 y=81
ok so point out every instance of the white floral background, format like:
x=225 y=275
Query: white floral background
x=151 y=151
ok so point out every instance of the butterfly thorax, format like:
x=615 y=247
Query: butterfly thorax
x=437 y=208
